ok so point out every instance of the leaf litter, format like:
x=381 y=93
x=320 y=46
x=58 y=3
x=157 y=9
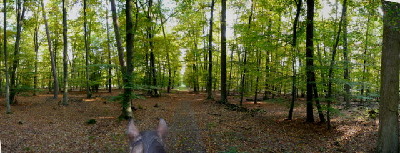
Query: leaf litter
x=40 y=124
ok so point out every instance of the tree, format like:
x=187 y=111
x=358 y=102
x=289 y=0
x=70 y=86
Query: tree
x=85 y=28
x=36 y=44
x=210 y=48
x=126 y=105
x=246 y=50
x=223 y=53
x=8 y=110
x=118 y=37
x=309 y=58
x=128 y=86
x=388 y=140
x=52 y=56
x=294 y=45
x=167 y=47
x=330 y=73
x=346 y=75
x=150 y=34
x=108 y=51
x=20 y=17
x=65 y=54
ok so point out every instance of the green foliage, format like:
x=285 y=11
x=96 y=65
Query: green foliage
x=27 y=149
x=372 y=113
x=91 y=121
x=140 y=107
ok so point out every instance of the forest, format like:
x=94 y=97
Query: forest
x=219 y=76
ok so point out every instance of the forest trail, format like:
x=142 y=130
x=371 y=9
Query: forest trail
x=184 y=131
x=196 y=125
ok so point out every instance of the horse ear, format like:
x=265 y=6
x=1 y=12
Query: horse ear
x=133 y=131
x=162 y=128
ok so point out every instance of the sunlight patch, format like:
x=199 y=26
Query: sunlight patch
x=91 y=100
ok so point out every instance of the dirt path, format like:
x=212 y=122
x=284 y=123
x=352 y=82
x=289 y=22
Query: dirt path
x=184 y=131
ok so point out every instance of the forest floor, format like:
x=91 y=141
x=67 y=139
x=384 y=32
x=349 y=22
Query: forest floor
x=40 y=124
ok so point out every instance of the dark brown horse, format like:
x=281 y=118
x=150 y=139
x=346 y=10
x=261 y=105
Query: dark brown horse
x=147 y=141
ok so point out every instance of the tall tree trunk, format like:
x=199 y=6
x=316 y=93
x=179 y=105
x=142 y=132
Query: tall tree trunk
x=85 y=28
x=36 y=44
x=365 y=58
x=65 y=54
x=294 y=45
x=316 y=98
x=127 y=78
x=388 y=133
x=126 y=111
x=150 y=35
x=52 y=57
x=267 y=74
x=108 y=52
x=210 y=48
x=8 y=107
x=330 y=74
x=223 y=53
x=167 y=50
x=20 y=17
x=243 y=76
x=118 y=37
x=258 y=54
x=230 y=69
x=346 y=75
x=309 y=58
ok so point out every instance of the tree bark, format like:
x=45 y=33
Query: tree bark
x=294 y=45
x=52 y=57
x=346 y=75
x=309 y=58
x=223 y=53
x=126 y=111
x=20 y=18
x=118 y=37
x=365 y=69
x=169 y=86
x=210 y=48
x=243 y=76
x=127 y=78
x=150 y=35
x=8 y=107
x=258 y=54
x=65 y=54
x=388 y=140
x=85 y=28
x=108 y=52
x=330 y=73
x=36 y=44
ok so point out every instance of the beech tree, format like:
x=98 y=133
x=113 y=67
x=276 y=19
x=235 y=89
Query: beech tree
x=309 y=59
x=87 y=45
x=52 y=56
x=224 y=93
x=294 y=45
x=388 y=140
x=7 y=99
x=21 y=9
x=210 y=51
x=65 y=54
